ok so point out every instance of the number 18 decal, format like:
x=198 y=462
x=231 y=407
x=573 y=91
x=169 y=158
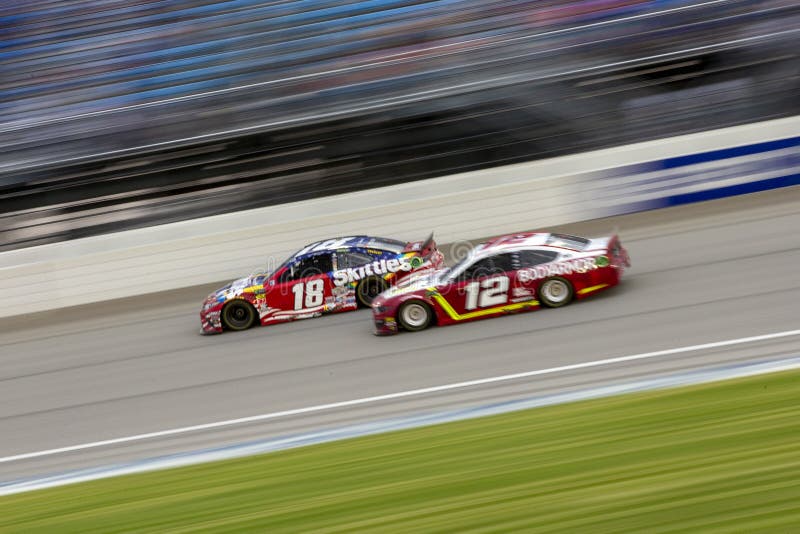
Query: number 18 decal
x=492 y=292
x=314 y=291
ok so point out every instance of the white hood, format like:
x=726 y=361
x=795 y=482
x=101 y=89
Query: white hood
x=414 y=283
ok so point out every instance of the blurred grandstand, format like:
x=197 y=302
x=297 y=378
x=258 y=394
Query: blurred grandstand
x=121 y=114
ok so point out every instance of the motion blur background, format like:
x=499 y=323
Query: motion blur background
x=119 y=114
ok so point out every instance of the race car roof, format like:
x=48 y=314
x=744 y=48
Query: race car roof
x=363 y=241
x=516 y=240
x=533 y=239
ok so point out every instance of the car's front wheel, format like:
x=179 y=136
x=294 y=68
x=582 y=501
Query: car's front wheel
x=555 y=292
x=238 y=315
x=415 y=315
x=369 y=288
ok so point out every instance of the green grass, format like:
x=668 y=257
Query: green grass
x=722 y=457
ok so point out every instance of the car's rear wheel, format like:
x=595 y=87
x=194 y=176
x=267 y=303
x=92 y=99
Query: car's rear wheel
x=369 y=288
x=238 y=315
x=415 y=315
x=555 y=292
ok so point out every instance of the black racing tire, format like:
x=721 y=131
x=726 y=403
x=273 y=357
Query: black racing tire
x=415 y=315
x=369 y=288
x=556 y=292
x=238 y=315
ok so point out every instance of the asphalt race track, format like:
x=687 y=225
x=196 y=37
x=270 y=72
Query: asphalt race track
x=709 y=272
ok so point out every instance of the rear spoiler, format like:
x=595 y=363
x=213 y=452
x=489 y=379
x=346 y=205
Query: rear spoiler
x=612 y=247
x=423 y=248
x=599 y=243
x=609 y=245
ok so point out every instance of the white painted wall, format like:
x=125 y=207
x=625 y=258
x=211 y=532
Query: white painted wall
x=464 y=206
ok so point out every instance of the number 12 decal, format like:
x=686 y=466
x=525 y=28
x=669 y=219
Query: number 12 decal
x=492 y=292
x=314 y=294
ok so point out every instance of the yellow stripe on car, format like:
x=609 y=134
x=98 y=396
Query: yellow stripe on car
x=478 y=313
x=592 y=288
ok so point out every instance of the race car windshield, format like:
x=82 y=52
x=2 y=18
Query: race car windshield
x=270 y=272
x=460 y=266
x=567 y=241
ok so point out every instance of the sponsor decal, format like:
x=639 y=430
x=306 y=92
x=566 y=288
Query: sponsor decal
x=308 y=315
x=339 y=291
x=416 y=261
x=601 y=261
x=213 y=320
x=521 y=294
x=387 y=323
x=382 y=267
x=262 y=308
x=546 y=270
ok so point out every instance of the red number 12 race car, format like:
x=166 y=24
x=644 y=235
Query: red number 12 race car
x=323 y=277
x=508 y=274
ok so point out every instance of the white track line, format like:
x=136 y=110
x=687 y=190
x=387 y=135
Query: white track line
x=241 y=450
x=398 y=395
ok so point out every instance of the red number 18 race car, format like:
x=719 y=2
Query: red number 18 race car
x=508 y=274
x=323 y=277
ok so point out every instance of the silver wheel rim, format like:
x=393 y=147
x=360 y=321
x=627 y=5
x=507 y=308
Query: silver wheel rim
x=555 y=291
x=415 y=315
